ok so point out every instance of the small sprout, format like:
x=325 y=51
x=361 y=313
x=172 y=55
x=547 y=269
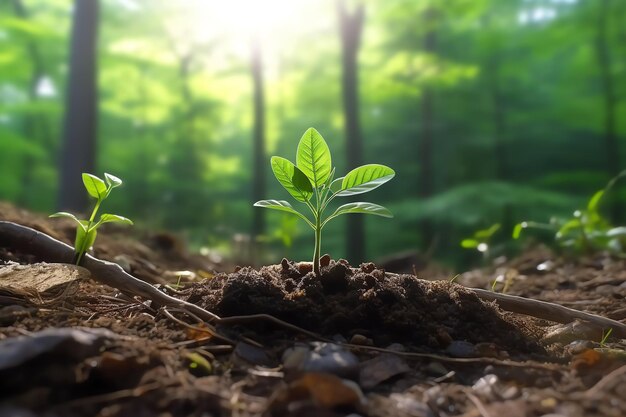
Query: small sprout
x=605 y=336
x=311 y=182
x=451 y=281
x=586 y=230
x=480 y=239
x=87 y=230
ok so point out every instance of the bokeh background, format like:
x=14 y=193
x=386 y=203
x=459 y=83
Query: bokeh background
x=490 y=111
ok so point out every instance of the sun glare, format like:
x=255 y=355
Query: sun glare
x=269 y=20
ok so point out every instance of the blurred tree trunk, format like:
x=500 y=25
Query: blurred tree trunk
x=610 y=98
x=35 y=125
x=78 y=150
x=351 y=27
x=426 y=137
x=498 y=104
x=258 y=157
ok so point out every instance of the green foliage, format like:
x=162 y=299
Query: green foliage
x=480 y=239
x=587 y=230
x=314 y=176
x=87 y=230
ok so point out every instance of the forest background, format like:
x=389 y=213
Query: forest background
x=490 y=111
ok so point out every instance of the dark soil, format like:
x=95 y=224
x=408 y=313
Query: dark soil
x=411 y=347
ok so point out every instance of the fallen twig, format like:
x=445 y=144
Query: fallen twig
x=549 y=311
x=48 y=249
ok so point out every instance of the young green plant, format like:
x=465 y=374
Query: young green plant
x=87 y=230
x=587 y=230
x=311 y=182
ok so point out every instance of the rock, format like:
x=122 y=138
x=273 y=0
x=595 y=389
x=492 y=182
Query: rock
x=359 y=339
x=485 y=385
x=380 y=369
x=40 y=277
x=72 y=343
x=567 y=333
x=396 y=347
x=436 y=369
x=461 y=349
x=321 y=357
x=251 y=354
x=315 y=390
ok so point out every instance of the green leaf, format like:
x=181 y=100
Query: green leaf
x=68 y=215
x=365 y=178
x=336 y=184
x=113 y=218
x=616 y=232
x=517 y=230
x=592 y=206
x=485 y=234
x=470 y=243
x=112 y=180
x=566 y=228
x=95 y=186
x=360 y=207
x=313 y=157
x=292 y=178
x=282 y=205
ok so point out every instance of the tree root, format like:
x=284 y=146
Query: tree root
x=550 y=311
x=48 y=249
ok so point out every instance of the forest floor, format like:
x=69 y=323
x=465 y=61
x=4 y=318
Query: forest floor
x=358 y=341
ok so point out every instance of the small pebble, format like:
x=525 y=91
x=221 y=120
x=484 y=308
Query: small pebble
x=436 y=369
x=396 y=347
x=359 y=339
x=461 y=349
x=321 y=357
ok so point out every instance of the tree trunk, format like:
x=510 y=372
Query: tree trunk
x=351 y=26
x=259 y=160
x=79 y=138
x=425 y=143
x=610 y=99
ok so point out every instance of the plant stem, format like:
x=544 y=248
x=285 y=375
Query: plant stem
x=318 y=245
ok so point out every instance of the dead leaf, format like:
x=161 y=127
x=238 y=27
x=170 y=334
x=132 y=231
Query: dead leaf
x=381 y=368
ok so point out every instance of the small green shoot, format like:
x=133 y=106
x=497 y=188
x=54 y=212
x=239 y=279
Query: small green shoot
x=605 y=336
x=480 y=239
x=87 y=230
x=586 y=230
x=311 y=182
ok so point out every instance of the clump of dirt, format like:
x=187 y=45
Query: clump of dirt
x=385 y=307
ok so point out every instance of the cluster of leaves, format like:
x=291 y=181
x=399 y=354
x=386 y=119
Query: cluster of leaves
x=311 y=182
x=87 y=230
x=587 y=230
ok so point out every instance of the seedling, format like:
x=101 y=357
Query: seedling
x=586 y=230
x=480 y=239
x=605 y=336
x=311 y=182
x=87 y=230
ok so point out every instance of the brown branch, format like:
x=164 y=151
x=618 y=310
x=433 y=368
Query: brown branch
x=48 y=249
x=549 y=311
